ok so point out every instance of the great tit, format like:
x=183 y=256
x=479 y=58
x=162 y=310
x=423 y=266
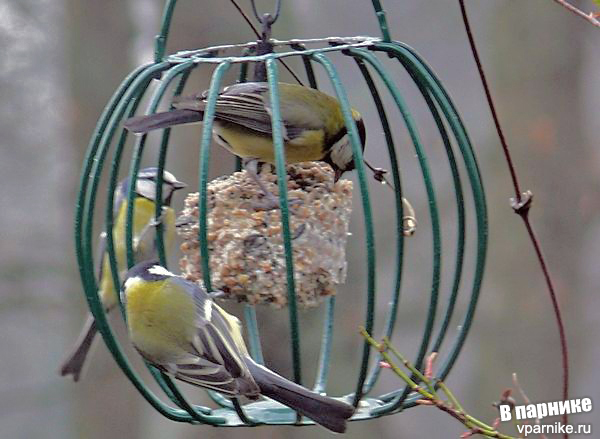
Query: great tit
x=176 y=326
x=313 y=124
x=143 y=245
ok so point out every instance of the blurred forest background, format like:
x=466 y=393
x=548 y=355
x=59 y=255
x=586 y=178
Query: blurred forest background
x=61 y=61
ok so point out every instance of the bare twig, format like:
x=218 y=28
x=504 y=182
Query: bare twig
x=521 y=205
x=429 y=364
x=507 y=399
x=591 y=17
x=526 y=399
x=429 y=396
x=416 y=372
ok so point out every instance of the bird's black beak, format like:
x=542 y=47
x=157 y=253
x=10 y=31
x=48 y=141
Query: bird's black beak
x=338 y=174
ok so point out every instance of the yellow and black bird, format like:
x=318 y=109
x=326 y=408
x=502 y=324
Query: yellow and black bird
x=176 y=326
x=143 y=246
x=313 y=124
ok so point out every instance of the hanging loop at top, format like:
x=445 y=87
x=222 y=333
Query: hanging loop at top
x=267 y=19
x=264 y=44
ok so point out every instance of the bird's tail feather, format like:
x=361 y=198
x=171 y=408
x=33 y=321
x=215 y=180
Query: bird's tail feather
x=74 y=363
x=330 y=413
x=143 y=124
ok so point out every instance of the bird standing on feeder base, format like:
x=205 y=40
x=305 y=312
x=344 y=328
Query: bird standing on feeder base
x=175 y=325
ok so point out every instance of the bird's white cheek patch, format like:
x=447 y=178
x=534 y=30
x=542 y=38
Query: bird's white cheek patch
x=146 y=188
x=341 y=153
x=129 y=283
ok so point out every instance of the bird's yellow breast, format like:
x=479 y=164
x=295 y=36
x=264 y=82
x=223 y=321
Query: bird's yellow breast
x=161 y=319
x=143 y=214
x=252 y=144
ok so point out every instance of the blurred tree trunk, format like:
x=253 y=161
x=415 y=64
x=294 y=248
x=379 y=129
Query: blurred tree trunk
x=34 y=224
x=97 y=56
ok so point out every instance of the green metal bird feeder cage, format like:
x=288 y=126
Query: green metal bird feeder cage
x=366 y=52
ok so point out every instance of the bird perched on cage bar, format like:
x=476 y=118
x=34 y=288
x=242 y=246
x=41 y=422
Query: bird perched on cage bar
x=176 y=326
x=313 y=123
x=143 y=246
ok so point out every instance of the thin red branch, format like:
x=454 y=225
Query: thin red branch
x=521 y=205
x=557 y=313
x=488 y=95
x=591 y=17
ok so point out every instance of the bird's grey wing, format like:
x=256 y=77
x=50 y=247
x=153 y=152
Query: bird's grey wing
x=241 y=104
x=297 y=112
x=219 y=341
x=248 y=105
x=201 y=372
x=212 y=364
x=253 y=100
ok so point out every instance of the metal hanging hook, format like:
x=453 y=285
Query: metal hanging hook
x=267 y=19
x=264 y=45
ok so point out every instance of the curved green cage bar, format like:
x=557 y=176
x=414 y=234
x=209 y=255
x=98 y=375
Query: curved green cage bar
x=176 y=69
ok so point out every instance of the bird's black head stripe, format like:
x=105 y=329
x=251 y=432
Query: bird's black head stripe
x=360 y=125
x=362 y=133
x=141 y=270
x=336 y=138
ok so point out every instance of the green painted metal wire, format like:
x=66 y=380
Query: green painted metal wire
x=425 y=76
x=408 y=56
x=178 y=67
x=276 y=123
x=164 y=382
x=250 y=310
x=460 y=207
x=393 y=310
x=84 y=225
x=383 y=26
x=209 y=116
x=328 y=324
x=428 y=181
x=160 y=41
x=183 y=71
x=367 y=215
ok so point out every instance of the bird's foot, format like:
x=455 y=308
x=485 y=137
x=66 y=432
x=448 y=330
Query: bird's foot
x=270 y=201
x=155 y=222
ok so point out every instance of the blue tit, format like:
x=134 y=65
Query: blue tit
x=143 y=246
x=313 y=124
x=176 y=326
